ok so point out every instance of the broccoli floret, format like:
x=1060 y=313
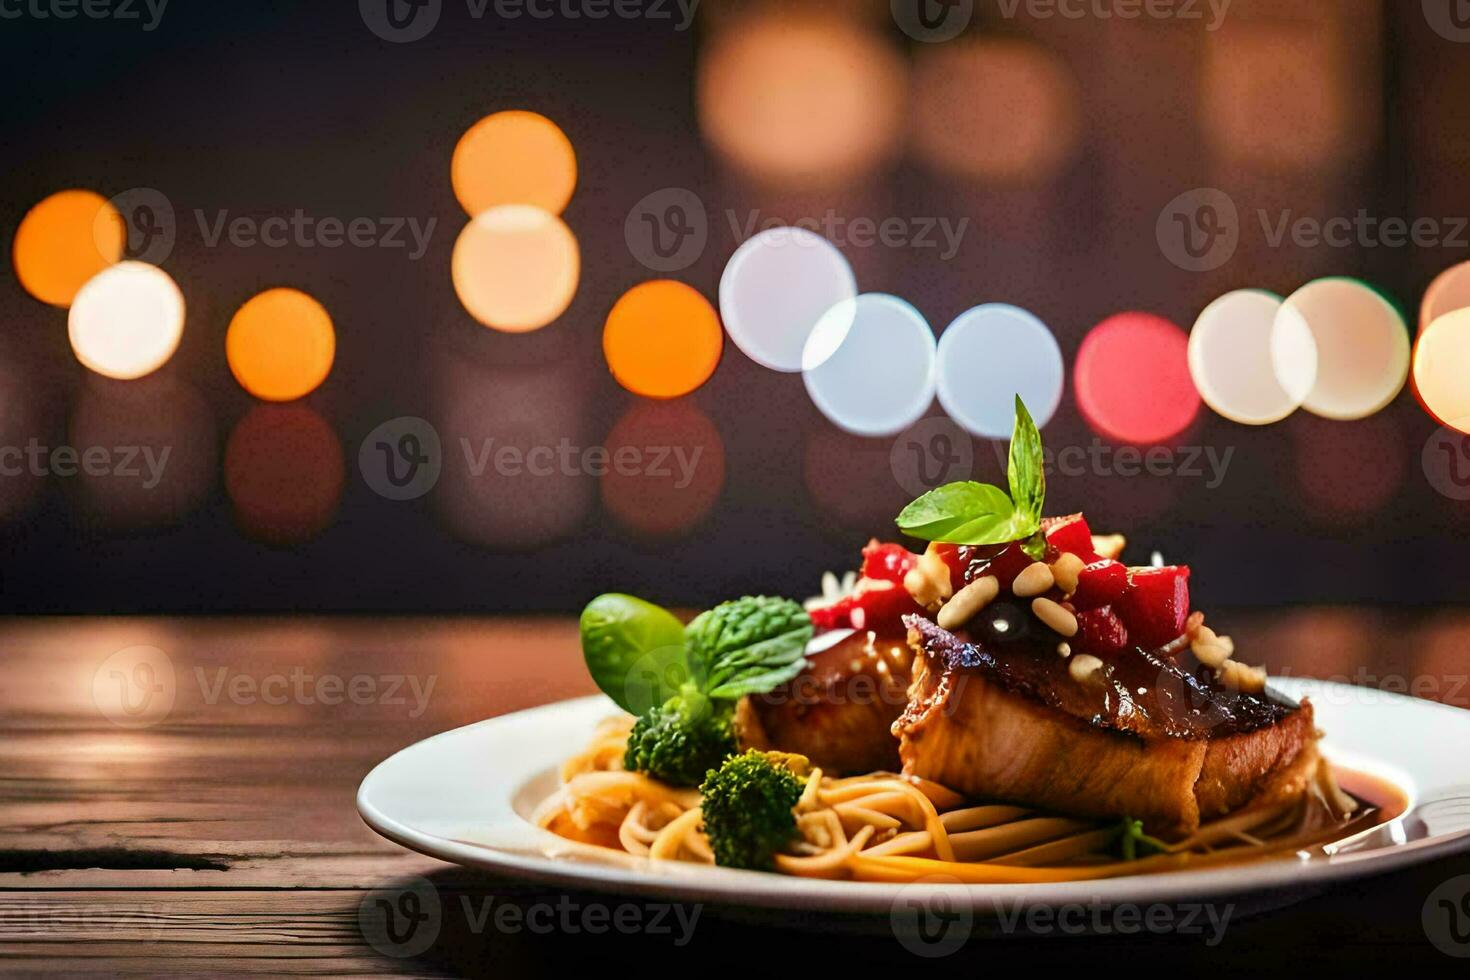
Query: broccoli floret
x=681 y=740
x=748 y=805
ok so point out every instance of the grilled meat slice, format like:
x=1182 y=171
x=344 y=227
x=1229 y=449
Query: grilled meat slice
x=840 y=711
x=1149 y=740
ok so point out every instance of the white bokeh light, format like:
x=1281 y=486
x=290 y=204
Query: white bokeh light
x=775 y=289
x=879 y=377
x=1449 y=293
x=1355 y=342
x=127 y=320
x=1231 y=363
x=990 y=354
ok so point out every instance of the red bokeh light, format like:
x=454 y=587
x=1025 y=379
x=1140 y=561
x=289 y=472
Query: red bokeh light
x=1132 y=379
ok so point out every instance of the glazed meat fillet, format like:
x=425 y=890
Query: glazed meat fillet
x=840 y=712
x=1143 y=738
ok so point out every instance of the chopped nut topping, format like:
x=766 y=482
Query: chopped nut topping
x=968 y=602
x=1033 y=581
x=1109 y=545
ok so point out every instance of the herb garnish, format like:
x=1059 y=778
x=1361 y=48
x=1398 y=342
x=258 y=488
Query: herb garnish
x=977 y=513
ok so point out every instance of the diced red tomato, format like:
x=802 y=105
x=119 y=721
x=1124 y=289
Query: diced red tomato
x=1005 y=565
x=1069 y=535
x=1156 y=604
x=888 y=562
x=1100 y=631
x=1100 y=584
x=875 y=604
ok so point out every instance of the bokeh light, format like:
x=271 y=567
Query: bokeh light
x=64 y=241
x=990 y=354
x=1442 y=369
x=1347 y=473
x=662 y=339
x=127 y=320
x=280 y=345
x=1361 y=346
x=875 y=373
x=999 y=109
x=775 y=289
x=171 y=463
x=284 y=473
x=671 y=498
x=1132 y=379
x=516 y=437
x=514 y=157
x=1230 y=359
x=516 y=267
x=1449 y=292
x=801 y=97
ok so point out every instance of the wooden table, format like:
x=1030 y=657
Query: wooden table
x=213 y=829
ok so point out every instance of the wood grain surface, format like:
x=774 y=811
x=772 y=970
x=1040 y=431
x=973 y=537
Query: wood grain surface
x=213 y=830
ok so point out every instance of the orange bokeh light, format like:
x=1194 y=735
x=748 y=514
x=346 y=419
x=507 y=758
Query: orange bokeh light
x=674 y=498
x=662 y=339
x=280 y=345
x=802 y=97
x=516 y=267
x=284 y=473
x=514 y=157
x=64 y=241
x=997 y=109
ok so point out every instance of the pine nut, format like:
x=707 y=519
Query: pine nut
x=1055 y=616
x=1065 y=571
x=968 y=601
x=1236 y=675
x=1064 y=650
x=1085 y=668
x=1211 y=655
x=1035 y=580
x=1109 y=545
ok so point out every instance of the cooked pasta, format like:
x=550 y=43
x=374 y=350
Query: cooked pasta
x=886 y=827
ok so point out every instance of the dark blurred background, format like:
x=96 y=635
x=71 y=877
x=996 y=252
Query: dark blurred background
x=1061 y=139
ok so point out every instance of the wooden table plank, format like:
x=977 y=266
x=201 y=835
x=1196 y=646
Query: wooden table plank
x=221 y=835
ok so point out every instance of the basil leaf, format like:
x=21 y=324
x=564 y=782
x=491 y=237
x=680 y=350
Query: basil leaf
x=749 y=646
x=961 y=513
x=634 y=651
x=1026 y=473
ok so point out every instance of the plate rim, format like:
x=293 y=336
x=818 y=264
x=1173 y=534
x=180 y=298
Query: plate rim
x=729 y=886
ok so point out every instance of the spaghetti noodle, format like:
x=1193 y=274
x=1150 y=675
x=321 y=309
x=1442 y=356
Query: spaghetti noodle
x=891 y=828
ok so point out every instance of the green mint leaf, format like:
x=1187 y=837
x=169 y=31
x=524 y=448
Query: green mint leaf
x=961 y=513
x=1026 y=472
x=1035 y=546
x=748 y=646
x=634 y=651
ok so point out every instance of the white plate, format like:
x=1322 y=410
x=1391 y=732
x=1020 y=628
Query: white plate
x=464 y=797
